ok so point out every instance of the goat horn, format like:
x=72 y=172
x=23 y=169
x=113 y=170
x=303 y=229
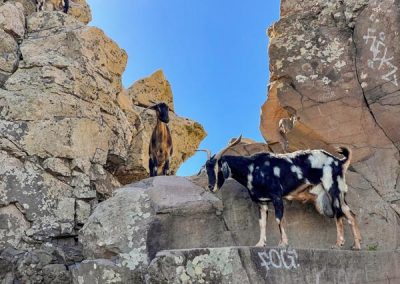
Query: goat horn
x=207 y=151
x=235 y=142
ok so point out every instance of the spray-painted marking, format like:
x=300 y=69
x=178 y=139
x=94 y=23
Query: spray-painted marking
x=279 y=259
x=380 y=57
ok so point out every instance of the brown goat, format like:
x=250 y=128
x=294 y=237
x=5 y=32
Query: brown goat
x=160 y=148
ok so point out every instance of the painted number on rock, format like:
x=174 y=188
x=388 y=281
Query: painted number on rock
x=279 y=259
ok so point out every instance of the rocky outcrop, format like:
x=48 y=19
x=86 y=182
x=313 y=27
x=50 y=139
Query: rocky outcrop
x=334 y=65
x=66 y=140
x=272 y=265
x=186 y=134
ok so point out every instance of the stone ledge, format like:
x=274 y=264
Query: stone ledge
x=274 y=265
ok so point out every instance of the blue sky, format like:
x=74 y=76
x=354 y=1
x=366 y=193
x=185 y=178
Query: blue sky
x=213 y=52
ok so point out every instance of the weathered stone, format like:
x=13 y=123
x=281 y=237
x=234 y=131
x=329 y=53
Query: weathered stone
x=12 y=19
x=151 y=90
x=56 y=273
x=103 y=271
x=57 y=167
x=29 y=6
x=82 y=211
x=13 y=225
x=333 y=65
x=186 y=136
x=44 y=198
x=80 y=10
x=273 y=265
x=159 y=213
x=9 y=56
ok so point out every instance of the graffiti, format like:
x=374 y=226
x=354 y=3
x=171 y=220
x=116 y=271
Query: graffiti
x=279 y=259
x=380 y=58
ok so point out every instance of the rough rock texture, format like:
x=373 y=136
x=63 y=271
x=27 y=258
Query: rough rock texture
x=159 y=213
x=151 y=90
x=103 y=271
x=186 y=134
x=273 y=265
x=334 y=64
x=45 y=265
x=65 y=138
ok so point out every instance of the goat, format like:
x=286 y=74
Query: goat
x=160 y=148
x=57 y=5
x=272 y=177
x=285 y=125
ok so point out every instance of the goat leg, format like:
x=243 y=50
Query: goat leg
x=263 y=225
x=152 y=167
x=65 y=6
x=166 y=168
x=354 y=226
x=278 y=205
x=339 y=232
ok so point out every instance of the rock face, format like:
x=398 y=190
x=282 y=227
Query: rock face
x=67 y=139
x=335 y=66
x=272 y=265
x=158 y=213
x=186 y=134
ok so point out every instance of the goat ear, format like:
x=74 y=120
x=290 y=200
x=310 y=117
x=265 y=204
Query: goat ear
x=226 y=171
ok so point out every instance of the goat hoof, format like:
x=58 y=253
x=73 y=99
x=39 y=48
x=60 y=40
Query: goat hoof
x=356 y=247
x=336 y=247
x=283 y=245
x=260 y=244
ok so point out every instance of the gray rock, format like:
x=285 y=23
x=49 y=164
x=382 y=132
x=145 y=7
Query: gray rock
x=12 y=19
x=273 y=265
x=103 y=271
x=9 y=56
x=151 y=215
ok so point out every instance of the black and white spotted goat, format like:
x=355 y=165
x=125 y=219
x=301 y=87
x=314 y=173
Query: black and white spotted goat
x=273 y=177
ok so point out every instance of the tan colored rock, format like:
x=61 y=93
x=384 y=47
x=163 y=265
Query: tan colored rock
x=342 y=85
x=80 y=10
x=13 y=225
x=69 y=133
x=186 y=137
x=12 y=19
x=151 y=90
x=9 y=56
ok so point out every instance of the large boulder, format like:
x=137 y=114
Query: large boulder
x=333 y=65
x=152 y=215
x=65 y=138
x=151 y=90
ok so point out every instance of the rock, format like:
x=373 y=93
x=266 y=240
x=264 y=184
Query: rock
x=272 y=265
x=82 y=211
x=46 y=201
x=151 y=90
x=13 y=225
x=57 y=166
x=28 y=6
x=103 y=271
x=65 y=141
x=333 y=65
x=12 y=19
x=9 y=56
x=186 y=137
x=56 y=273
x=31 y=267
x=222 y=265
x=159 y=213
x=80 y=10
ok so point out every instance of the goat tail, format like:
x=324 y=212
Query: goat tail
x=346 y=152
